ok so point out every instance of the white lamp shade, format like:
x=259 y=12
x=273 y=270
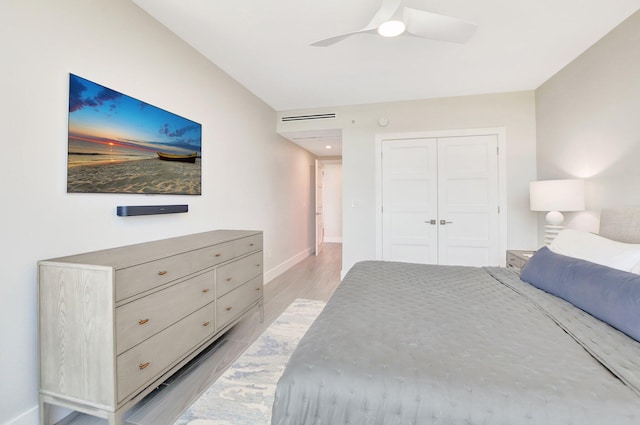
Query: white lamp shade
x=557 y=195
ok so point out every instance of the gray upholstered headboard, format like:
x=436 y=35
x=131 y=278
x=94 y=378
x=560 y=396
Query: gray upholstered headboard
x=620 y=224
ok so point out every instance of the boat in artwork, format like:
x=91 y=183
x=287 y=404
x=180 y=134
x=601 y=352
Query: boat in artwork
x=177 y=157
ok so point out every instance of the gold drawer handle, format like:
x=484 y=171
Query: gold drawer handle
x=251 y=244
x=205 y=290
x=257 y=289
x=142 y=321
x=218 y=255
x=206 y=323
x=162 y=272
x=229 y=308
x=229 y=279
x=143 y=365
x=257 y=265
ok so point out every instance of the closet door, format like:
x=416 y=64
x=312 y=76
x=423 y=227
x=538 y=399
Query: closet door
x=468 y=201
x=440 y=200
x=409 y=200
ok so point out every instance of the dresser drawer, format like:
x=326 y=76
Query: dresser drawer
x=142 y=318
x=144 y=362
x=235 y=302
x=232 y=275
x=140 y=278
x=248 y=244
x=212 y=255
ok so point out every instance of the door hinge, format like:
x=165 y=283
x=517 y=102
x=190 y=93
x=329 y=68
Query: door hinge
x=498 y=209
x=498 y=150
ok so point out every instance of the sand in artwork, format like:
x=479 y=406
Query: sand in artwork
x=141 y=176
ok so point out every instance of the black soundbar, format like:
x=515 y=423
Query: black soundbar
x=129 y=210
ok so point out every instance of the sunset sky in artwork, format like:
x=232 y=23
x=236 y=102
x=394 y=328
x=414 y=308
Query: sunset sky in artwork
x=102 y=120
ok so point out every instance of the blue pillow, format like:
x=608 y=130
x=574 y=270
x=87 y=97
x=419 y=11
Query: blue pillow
x=611 y=295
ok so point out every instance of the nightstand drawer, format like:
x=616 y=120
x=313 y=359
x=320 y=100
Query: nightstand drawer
x=516 y=259
x=514 y=262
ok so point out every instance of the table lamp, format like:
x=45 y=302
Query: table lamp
x=554 y=196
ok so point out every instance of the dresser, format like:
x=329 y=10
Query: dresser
x=114 y=324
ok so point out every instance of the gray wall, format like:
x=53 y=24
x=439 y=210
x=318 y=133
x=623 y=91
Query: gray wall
x=588 y=123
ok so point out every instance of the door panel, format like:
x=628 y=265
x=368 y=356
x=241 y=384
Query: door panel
x=468 y=200
x=409 y=200
x=412 y=253
x=467 y=255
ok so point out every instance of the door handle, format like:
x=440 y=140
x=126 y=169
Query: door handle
x=432 y=222
x=443 y=222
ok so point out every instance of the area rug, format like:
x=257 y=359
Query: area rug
x=244 y=394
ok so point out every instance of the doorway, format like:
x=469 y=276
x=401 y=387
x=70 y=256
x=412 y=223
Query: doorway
x=328 y=207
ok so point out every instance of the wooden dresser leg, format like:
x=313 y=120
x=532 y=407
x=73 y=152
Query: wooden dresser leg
x=43 y=411
x=114 y=418
x=261 y=308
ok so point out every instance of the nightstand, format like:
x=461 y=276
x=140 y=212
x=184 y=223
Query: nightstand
x=516 y=259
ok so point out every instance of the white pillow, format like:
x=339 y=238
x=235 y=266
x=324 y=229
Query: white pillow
x=596 y=249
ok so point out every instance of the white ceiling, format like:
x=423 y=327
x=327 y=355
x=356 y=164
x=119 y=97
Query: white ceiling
x=323 y=143
x=264 y=45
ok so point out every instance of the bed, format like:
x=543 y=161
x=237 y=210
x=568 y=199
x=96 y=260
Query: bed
x=402 y=343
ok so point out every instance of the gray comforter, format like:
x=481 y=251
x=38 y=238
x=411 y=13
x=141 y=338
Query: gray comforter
x=417 y=344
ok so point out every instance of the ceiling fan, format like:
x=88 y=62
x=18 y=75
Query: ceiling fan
x=393 y=19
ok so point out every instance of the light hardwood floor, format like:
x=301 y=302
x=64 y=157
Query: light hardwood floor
x=315 y=278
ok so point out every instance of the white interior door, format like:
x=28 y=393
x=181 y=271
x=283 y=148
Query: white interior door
x=409 y=200
x=440 y=200
x=319 y=208
x=468 y=200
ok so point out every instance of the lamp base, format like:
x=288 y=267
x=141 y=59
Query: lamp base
x=554 y=218
x=553 y=226
x=550 y=233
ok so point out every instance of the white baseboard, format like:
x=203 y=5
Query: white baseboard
x=333 y=239
x=30 y=417
x=276 y=271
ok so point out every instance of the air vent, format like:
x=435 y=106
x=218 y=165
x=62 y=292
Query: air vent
x=308 y=117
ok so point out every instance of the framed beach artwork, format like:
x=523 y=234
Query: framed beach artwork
x=118 y=144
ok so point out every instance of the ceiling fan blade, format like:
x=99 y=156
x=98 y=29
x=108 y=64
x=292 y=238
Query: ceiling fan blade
x=333 y=40
x=437 y=27
x=387 y=10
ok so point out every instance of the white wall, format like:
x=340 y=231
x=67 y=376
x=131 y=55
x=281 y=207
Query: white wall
x=251 y=177
x=588 y=124
x=360 y=125
x=332 y=197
